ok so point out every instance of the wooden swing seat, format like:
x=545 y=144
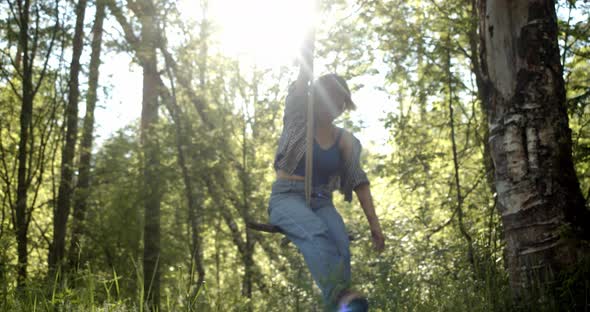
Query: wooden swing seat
x=264 y=227
x=269 y=228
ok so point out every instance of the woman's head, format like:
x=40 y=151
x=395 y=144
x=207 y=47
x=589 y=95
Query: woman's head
x=331 y=97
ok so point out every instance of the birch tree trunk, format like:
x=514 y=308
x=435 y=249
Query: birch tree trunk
x=545 y=221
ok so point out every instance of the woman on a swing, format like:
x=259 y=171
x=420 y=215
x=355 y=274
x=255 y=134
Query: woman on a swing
x=318 y=230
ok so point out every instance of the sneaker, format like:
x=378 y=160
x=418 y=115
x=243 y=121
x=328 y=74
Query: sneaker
x=358 y=305
x=353 y=302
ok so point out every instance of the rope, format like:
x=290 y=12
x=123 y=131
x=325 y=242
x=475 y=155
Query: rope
x=307 y=65
x=308 y=56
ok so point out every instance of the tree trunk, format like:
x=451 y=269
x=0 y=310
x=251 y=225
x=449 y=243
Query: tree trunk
x=149 y=140
x=542 y=209
x=26 y=115
x=64 y=195
x=247 y=256
x=82 y=189
x=477 y=72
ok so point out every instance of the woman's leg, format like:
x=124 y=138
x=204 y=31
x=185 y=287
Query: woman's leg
x=312 y=236
x=337 y=230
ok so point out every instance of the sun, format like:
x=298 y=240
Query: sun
x=266 y=32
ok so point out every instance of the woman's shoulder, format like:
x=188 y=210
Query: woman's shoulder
x=348 y=141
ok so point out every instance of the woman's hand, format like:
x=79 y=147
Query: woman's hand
x=378 y=238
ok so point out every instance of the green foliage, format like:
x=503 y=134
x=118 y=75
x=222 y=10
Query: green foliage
x=574 y=43
x=423 y=51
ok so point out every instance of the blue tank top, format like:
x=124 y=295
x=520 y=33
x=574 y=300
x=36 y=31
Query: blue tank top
x=326 y=162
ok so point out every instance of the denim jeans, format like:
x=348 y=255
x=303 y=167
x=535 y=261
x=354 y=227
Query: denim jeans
x=318 y=232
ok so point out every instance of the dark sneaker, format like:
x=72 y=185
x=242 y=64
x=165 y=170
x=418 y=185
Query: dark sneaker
x=355 y=305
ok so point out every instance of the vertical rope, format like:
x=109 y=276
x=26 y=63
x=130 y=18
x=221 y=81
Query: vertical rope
x=308 y=63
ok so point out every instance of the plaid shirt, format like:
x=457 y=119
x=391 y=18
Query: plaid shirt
x=292 y=145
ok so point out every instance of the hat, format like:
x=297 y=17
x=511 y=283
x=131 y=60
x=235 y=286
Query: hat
x=340 y=83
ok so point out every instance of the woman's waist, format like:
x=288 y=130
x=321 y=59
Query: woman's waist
x=284 y=175
x=296 y=184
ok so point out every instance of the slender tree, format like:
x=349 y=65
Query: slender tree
x=150 y=149
x=29 y=48
x=145 y=50
x=83 y=187
x=65 y=192
x=459 y=208
x=245 y=174
x=545 y=221
x=183 y=129
x=25 y=123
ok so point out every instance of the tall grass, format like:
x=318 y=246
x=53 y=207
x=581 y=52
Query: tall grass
x=388 y=290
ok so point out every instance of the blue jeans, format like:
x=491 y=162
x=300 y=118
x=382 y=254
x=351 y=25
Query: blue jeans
x=318 y=232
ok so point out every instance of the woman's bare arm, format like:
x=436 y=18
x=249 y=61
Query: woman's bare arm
x=363 y=193
x=305 y=65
